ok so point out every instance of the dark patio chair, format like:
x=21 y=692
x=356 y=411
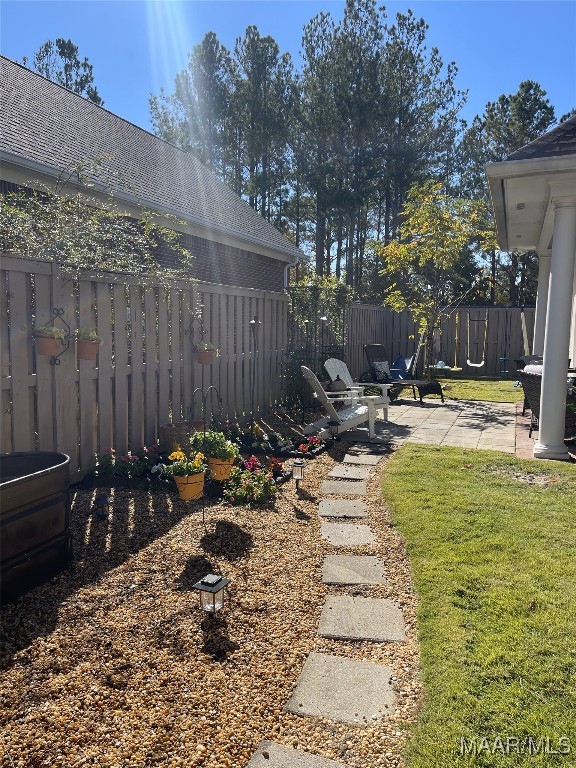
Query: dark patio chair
x=401 y=376
x=532 y=386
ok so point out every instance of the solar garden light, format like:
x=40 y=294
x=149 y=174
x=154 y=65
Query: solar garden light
x=298 y=468
x=101 y=505
x=333 y=429
x=211 y=588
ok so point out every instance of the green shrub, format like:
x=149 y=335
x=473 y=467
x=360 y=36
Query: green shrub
x=245 y=487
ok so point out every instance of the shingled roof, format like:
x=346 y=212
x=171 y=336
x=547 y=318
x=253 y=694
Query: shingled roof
x=556 y=143
x=47 y=124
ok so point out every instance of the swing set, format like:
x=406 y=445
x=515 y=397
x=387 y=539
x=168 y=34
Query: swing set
x=478 y=320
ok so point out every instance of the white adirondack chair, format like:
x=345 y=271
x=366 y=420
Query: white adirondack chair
x=335 y=367
x=358 y=410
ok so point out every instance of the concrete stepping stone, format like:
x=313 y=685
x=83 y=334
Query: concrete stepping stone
x=364 y=449
x=347 y=534
x=344 y=690
x=367 y=459
x=352 y=569
x=271 y=755
x=348 y=472
x=361 y=618
x=342 y=508
x=344 y=487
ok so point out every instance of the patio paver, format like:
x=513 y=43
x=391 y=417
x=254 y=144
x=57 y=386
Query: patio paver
x=361 y=618
x=349 y=472
x=347 y=534
x=365 y=459
x=342 y=508
x=352 y=569
x=271 y=755
x=342 y=689
x=343 y=487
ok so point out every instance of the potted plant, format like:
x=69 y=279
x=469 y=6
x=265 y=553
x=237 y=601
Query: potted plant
x=49 y=340
x=189 y=473
x=206 y=352
x=87 y=343
x=221 y=454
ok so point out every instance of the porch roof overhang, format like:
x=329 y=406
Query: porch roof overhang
x=523 y=193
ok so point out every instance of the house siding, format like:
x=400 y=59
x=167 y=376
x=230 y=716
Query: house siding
x=226 y=265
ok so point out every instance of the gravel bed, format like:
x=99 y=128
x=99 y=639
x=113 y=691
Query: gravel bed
x=113 y=664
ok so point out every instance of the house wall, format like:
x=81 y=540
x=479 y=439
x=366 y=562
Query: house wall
x=216 y=262
x=226 y=265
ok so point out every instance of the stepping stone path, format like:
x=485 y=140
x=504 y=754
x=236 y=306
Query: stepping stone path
x=347 y=472
x=342 y=689
x=352 y=569
x=347 y=534
x=333 y=686
x=270 y=755
x=343 y=487
x=342 y=508
x=361 y=618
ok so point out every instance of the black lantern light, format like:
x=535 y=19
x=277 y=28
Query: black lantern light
x=298 y=468
x=101 y=505
x=333 y=427
x=211 y=588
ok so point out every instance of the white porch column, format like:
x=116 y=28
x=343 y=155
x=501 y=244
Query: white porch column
x=550 y=443
x=572 y=349
x=541 y=304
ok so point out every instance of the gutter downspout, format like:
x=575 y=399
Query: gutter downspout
x=297 y=259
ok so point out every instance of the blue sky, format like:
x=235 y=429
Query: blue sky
x=137 y=47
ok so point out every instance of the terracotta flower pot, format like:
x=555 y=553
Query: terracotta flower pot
x=220 y=469
x=87 y=350
x=48 y=346
x=190 y=487
x=205 y=356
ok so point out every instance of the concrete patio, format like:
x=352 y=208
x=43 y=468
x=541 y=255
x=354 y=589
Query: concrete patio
x=460 y=423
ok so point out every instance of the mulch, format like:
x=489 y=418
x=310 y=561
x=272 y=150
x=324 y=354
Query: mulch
x=112 y=663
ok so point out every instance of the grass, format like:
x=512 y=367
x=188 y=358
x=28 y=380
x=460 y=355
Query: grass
x=492 y=544
x=485 y=388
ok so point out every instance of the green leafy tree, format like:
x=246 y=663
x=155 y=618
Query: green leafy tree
x=507 y=124
x=58 y=61
x=423 y=262
x=85 y=231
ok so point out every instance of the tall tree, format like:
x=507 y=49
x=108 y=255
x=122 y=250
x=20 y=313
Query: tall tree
x=196 y=117
x=58 y=61
x=262 y=107
x=507 y=124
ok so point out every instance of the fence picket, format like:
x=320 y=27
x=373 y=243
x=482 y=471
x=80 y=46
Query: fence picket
x=105 y=379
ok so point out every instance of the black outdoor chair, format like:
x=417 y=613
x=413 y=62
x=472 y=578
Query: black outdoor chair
x=401 y=377
x=532 y=386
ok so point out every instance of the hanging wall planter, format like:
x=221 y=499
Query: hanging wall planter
x=206 y=352
x=49 y=340
x=205 y=357
x=87 y=344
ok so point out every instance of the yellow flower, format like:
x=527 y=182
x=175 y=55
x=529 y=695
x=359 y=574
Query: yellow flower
x=177 y=456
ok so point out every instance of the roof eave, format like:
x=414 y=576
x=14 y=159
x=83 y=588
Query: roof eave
x=290 y=255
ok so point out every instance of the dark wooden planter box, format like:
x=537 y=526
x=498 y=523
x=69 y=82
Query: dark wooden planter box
x=34 y=519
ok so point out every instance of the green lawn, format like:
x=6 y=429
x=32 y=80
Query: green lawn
x=494 y=390
x=492 y=545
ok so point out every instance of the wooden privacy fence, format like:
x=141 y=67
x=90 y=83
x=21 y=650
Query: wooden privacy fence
x=146 y=373
x=461 y=337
